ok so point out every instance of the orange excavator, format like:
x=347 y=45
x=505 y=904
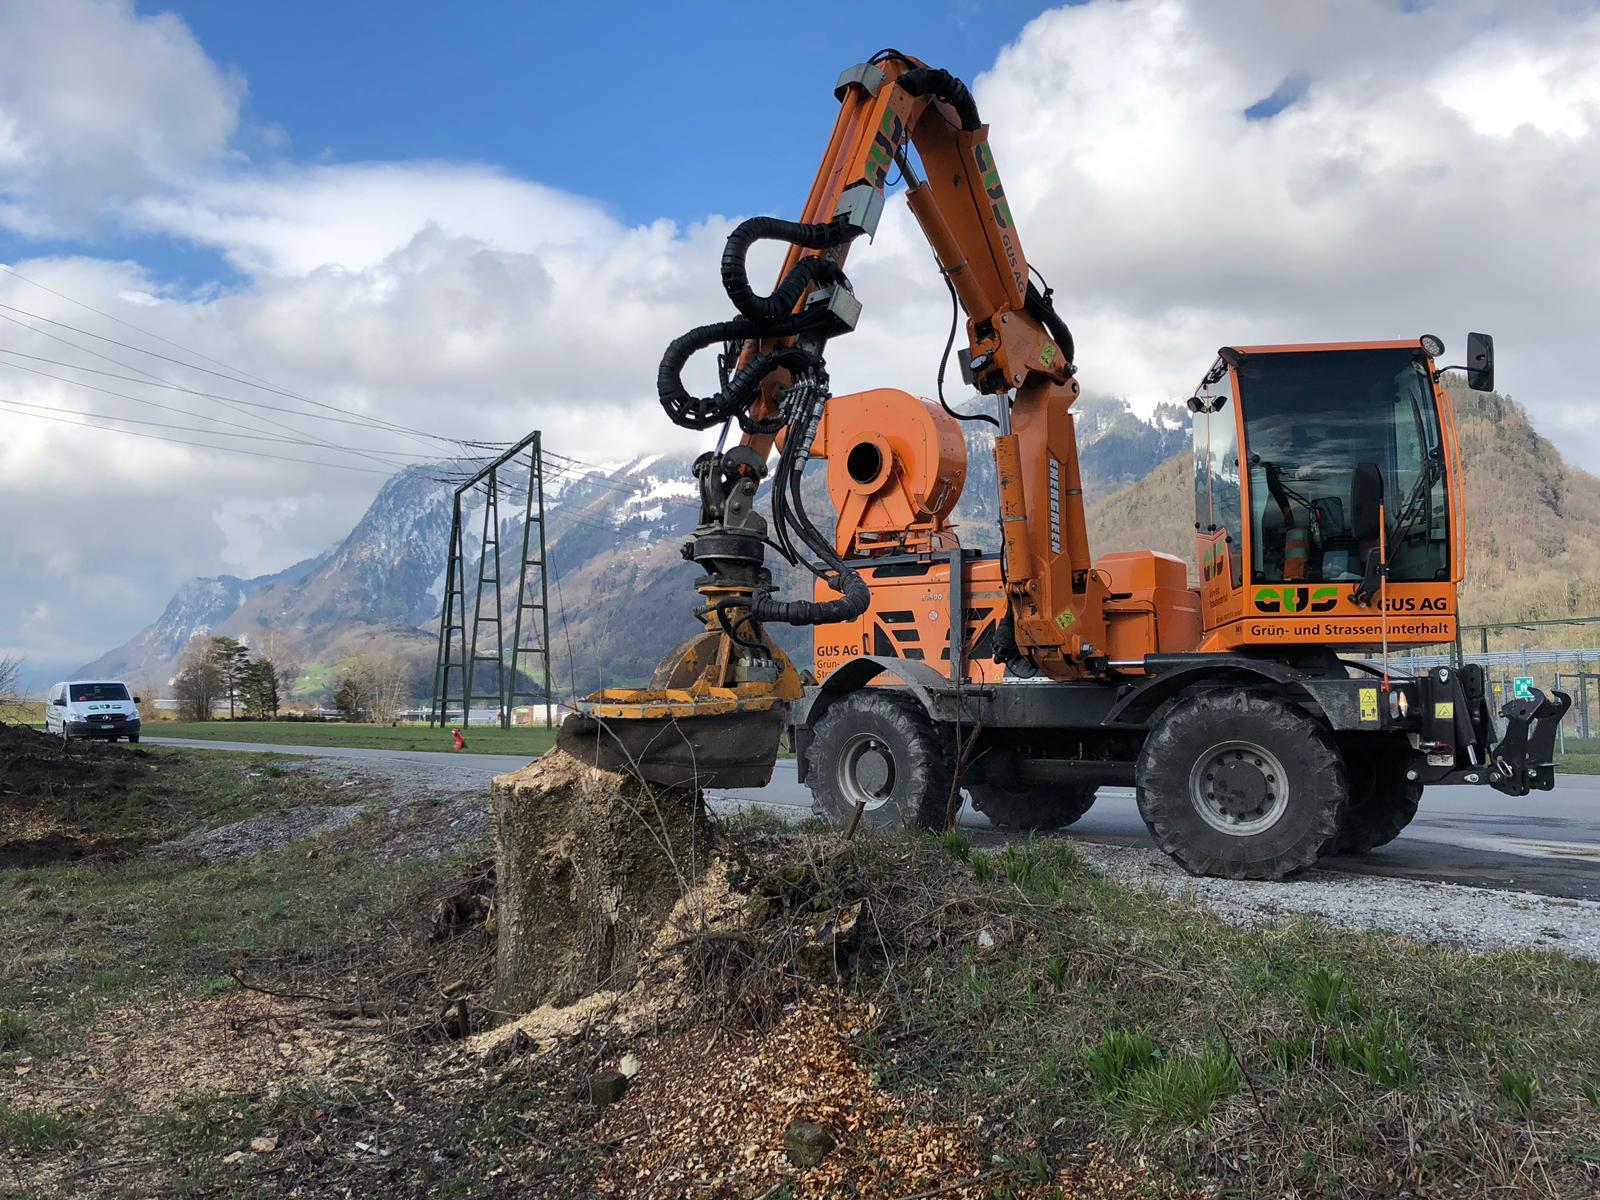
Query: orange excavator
x=1328 y=518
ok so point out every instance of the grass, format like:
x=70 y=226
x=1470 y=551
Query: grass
x=98 y=933
x=30 y=1130
x=531 y=741
x=86 y=937
x=185 y=789
x=1582 y=756
x=14 y=1029
x=1291 y=1058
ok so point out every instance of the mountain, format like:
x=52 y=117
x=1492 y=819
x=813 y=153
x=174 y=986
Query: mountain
x=1533 y=520
x=620 y=593
x=382 y=587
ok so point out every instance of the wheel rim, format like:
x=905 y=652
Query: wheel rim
x=1239 y=788
x=866 y=772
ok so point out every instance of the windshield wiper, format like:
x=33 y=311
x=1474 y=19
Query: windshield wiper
x=1378 y=567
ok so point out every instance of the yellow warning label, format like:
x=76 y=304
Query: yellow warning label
x=1065 y=618
x=1445 y=710
x=1369 y=704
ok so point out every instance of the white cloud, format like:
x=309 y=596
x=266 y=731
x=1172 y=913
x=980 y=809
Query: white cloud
x=294 y=221
x=99 y=104
x=1438 y=172
x=1379 y=204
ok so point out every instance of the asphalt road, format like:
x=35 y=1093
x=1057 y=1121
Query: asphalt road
x=1547 y=842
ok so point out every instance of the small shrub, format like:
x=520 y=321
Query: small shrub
x=14 y=1029
x=1180 y=1090
x=1016 y=863
x=956 y=844
x=1380 y=1054
x=1290 y=1053
x=31 y=1129
x=1328 y=995
x=1118 y=1056
x=1057 y=970
x=983 y=868
x=1518 y=1089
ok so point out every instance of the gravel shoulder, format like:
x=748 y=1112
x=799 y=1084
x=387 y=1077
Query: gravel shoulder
x=1475 y=918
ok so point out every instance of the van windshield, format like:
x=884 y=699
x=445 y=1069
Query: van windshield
x=98 y=691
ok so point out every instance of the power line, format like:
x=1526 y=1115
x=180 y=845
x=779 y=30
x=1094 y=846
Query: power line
x=239 y=379
x=252 y=435
x=157 y=381
x=155 y=437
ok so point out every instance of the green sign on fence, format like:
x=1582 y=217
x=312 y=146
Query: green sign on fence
x=1522 y=687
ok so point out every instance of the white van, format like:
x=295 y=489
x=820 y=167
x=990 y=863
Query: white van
x=92 y=709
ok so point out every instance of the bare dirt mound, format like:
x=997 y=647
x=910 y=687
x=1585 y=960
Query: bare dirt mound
x=588 y=866
x=44 y=783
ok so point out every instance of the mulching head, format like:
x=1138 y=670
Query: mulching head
x=731 y=749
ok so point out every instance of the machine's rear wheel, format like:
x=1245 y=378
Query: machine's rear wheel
x=1032 y=806
x=1382 y=800
x=1241 y=784
x=878 y=749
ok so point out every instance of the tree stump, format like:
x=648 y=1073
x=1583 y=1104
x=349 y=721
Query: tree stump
x=588 y=865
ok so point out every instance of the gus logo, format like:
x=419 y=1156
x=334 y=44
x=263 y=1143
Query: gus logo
x=1296 y=599
x=992 y=186
x=885 y=144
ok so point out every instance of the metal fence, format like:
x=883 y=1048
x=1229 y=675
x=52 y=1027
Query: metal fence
x=1572 y=669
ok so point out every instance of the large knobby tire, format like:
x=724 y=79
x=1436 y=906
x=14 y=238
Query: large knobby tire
x=1382 y=800
x=1241 y=784
x=1032 y=806
x=884 y=750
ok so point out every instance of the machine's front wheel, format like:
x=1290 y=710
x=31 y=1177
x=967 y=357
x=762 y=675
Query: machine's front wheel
x=882 y=752
x=1382 y=800
x=1032 y=807
x=1241 y=784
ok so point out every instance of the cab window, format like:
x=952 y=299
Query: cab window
x=1344 y=451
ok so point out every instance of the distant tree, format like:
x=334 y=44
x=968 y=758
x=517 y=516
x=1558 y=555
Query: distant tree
x=231 y=658
x=11 y=697
x=268 y=643
x=350 y=697
x=259 y=690
x=385 y=685
x=198 y=684
x=147 y=692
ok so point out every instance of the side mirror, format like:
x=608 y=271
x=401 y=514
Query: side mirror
x=138 y=699
x=1480 y=362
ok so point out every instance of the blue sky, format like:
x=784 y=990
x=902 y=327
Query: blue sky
x=592 y=98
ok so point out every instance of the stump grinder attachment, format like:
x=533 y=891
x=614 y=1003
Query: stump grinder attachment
x=698 y=724
x=717 y=704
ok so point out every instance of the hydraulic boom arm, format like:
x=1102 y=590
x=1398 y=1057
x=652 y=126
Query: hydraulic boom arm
x=774 y=384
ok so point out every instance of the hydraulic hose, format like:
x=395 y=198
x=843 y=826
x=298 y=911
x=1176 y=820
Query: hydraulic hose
x=702 y=412
x=855 y=597
x=800 y=277
x=854 y=600
x=1039 y=307
x=941 y=85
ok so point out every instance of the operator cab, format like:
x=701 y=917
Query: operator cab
x=1327 y=494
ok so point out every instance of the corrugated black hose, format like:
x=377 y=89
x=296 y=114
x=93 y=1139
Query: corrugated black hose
x=808 y=271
